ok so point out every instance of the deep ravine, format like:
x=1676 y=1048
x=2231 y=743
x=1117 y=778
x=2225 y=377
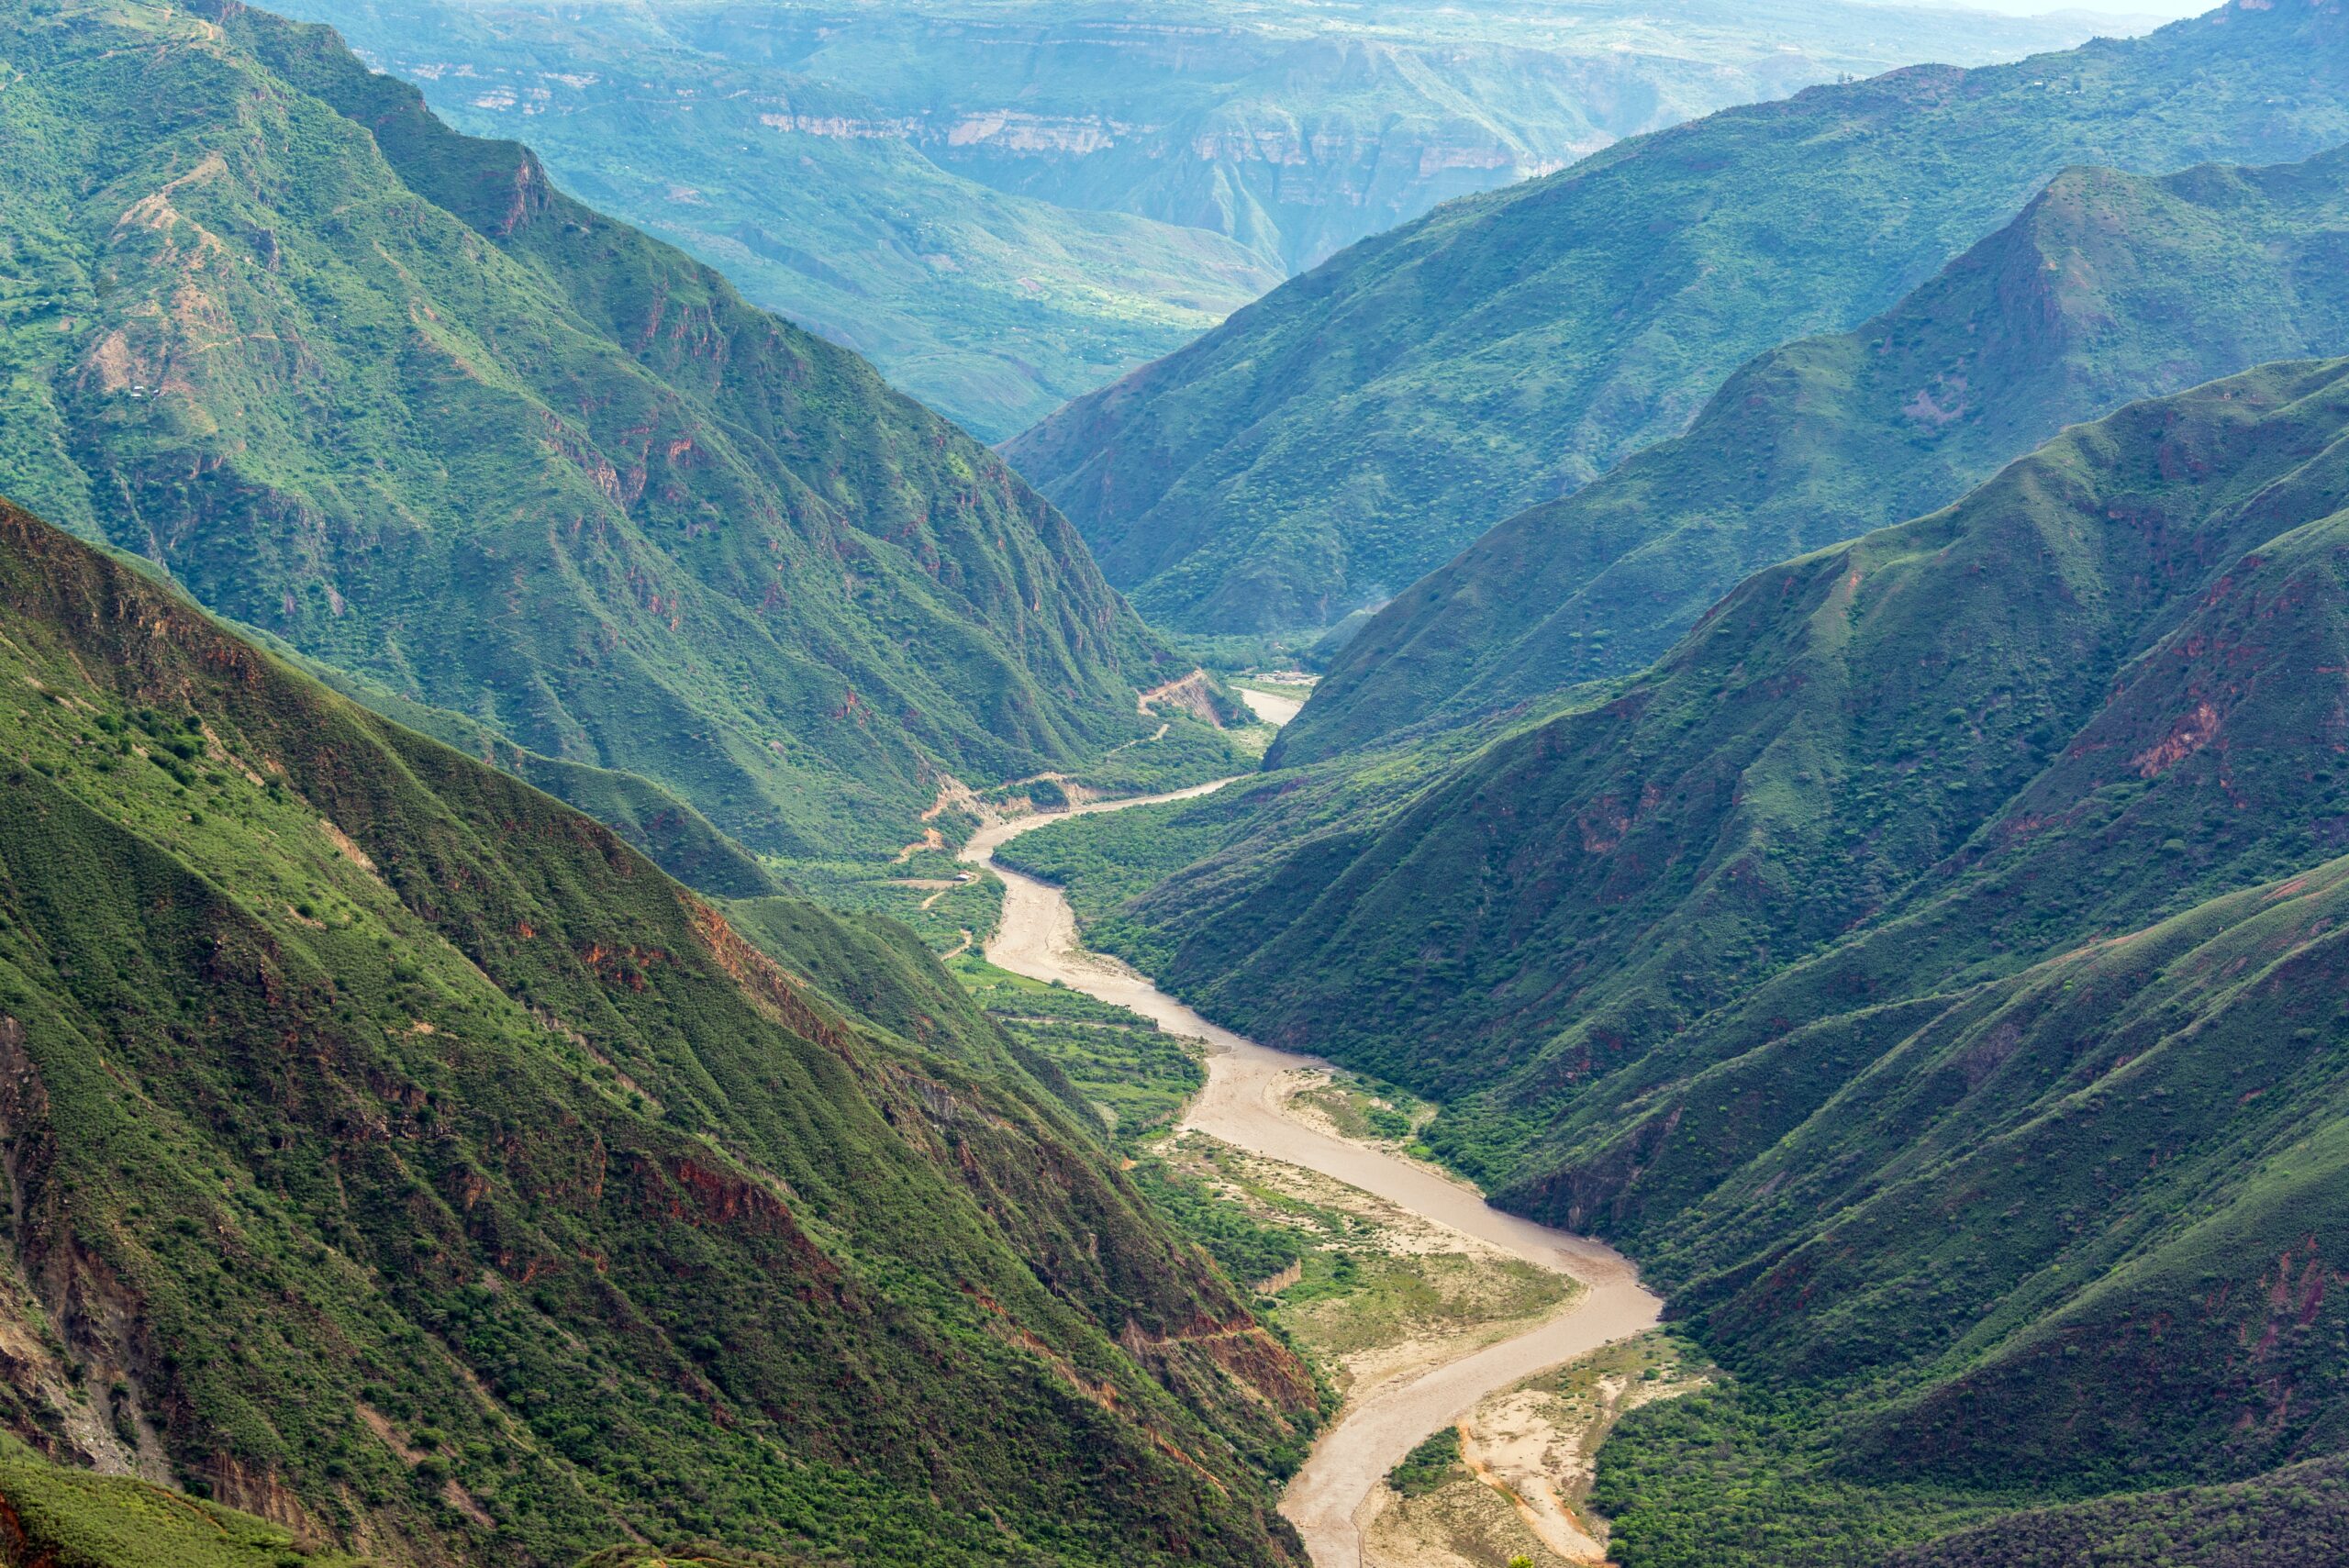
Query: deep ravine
x=1242 y=1105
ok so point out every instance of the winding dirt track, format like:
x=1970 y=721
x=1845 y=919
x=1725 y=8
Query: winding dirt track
x=1241 y=1106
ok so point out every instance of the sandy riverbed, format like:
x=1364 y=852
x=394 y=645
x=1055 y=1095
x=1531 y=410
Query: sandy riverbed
x=1270 y=706
x=1245 y=1105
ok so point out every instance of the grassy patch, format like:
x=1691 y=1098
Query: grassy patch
x=72 y=1518
x=1429 y=1465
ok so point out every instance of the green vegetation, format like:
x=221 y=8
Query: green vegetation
x=1246 y=1247
x=1377 y=1300
x=1008 y=206
x=690 y=1554
x=2108 y=287
x=1725 y=1476
x=1364 y=1108
x=1189 y=751
x=1428 y=1466
x=992 y=306
x=395 y=1150
x=1356 y=427
x=2291 y=1518
x=1107 y=862
x=1929 y=971
x=71 y=1518
x=383 y=391
x=1136 y=1076
x=675 y=837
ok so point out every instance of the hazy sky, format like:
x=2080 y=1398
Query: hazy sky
x=2166 y=8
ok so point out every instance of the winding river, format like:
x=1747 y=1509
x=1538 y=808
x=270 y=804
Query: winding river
x=1242 y=1104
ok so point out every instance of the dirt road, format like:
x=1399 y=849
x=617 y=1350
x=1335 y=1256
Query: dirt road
x=1242 y=1104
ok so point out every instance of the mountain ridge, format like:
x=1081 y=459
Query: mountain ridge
x=2108 y=288
x=1348 y=433
x=489 y=450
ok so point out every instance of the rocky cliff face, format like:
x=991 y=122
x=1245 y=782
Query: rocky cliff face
x=1295 y=133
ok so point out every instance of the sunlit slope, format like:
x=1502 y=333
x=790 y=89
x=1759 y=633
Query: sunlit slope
x=2108 y=287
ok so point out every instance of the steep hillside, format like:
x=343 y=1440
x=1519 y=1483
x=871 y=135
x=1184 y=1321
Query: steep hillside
x=2108 y=287
x=1355 y=428
x=397 y=1155
x=72 y=1518
x=1835 y=730
x=2067 y=1233
x=993 y=307
x=382 y=390
x=1929 y=972
x=2294 y=1519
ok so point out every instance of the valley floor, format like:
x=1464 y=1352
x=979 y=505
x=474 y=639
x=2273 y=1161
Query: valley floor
x=1249 y=1104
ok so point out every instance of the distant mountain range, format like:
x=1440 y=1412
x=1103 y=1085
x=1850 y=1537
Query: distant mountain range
x=1353 y=431
x=1006 y=206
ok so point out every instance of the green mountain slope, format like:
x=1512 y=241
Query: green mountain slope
x=1929 y=972
x=1837 y=728
x=396 y=1155
x=993 y=307
x=1353 y=431
x=2106 y=288
x=380 y=389
x=2068 y=1232
x=2291 y=1519
x=68 y=1518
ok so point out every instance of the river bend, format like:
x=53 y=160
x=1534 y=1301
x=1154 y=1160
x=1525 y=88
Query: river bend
x=1244 y=1105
